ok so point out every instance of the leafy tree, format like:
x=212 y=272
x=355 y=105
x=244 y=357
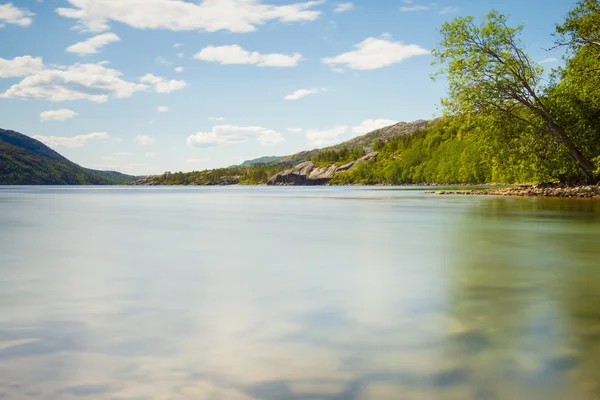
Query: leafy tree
x=489 y=72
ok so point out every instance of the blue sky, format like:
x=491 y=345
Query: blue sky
x=147 y=86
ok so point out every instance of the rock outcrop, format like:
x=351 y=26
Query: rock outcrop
x=307 y=174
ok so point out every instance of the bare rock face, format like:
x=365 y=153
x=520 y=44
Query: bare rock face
x=372 y=155
x=306 y=174
x=295 y=176
x=320 y=176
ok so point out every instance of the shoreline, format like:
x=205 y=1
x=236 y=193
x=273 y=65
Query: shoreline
x=541 y=190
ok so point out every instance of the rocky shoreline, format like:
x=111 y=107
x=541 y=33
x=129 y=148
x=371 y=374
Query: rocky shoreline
x=541 y=190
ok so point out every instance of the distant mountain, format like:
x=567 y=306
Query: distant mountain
x=26 y=161
x=261 y=160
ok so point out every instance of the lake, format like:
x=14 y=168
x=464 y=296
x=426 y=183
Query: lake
x=296 y=293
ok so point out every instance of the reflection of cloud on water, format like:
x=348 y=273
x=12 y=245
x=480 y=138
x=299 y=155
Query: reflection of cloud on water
x=390 y=303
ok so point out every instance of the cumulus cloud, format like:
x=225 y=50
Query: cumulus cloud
x=179 y=15
x=162 y=109
x=373 y=53
x=93 y=44
x=343 y=7
x=231 y=134
x=57 y=115
x=20 y=66
x=300 y=93
x=9 y=14
x=161 y=85
x=294 y=130
x=144 y=140
x=234 y=54
x=92 y=82
x=177 y=45
x=326 y=137
x=74 y=141
x=178 y=70
x=371 y=125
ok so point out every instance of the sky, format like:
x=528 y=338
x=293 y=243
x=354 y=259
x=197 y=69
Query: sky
x=148 y=86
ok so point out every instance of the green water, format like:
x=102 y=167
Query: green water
x=292 y=293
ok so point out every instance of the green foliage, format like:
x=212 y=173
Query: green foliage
x=489 y=73
x=21 y=167
x=26 y=161
x=255 y=174
x=342 y=156
x=453 y=151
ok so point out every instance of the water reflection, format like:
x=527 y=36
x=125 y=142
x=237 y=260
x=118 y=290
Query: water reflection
x=286 y=294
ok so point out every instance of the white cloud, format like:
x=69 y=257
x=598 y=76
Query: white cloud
x=163 y=86
x=294 y=130
x=93 y=44
x=108 y=158
x=231 y=134
x=178 y=70
x=163 y=61
x=234 y=54
x=549 y=60
x=179 y=15
x=162 y=109
x=298 y=94
x=432 y=6
x=73 y=142
x=93 y=82
x=20 y=66
x=151 y=155
x=374 y=53
x=343 y=7
x=191 y=161
x=179 y=55
x=177 y=45
x=216 y=119
x=10 y=14
x=144 y=140
x=57 y=115
x=414 y=8
x=371 y=125
x=447 y=10
x=326 y=137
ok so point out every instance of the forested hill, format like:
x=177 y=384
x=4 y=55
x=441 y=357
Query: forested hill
x=26 y=161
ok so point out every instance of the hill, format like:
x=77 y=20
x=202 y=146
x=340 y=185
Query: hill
x=26 y=161
x=261 y=160
x=316 y=166
x=367 y=141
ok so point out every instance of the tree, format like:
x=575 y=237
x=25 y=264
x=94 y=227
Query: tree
x=489 y=72
x=581 y=29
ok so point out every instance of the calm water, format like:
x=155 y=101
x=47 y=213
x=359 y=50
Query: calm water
x=321 y=293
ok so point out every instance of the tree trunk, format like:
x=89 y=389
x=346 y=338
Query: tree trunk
x=585 y=165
